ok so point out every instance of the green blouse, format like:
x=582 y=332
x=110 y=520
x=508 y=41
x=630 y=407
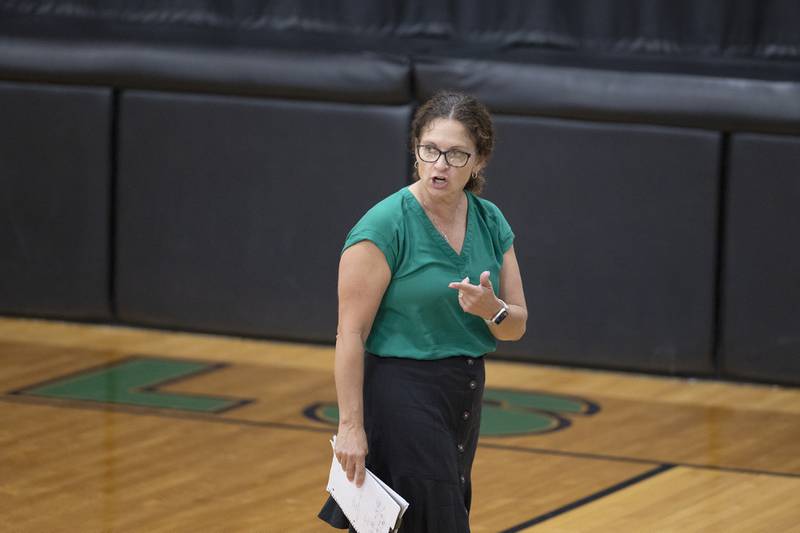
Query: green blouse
x=419 y=316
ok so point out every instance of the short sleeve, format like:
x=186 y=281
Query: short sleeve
x=379 y=229
x=502 y=229
x=505 y=232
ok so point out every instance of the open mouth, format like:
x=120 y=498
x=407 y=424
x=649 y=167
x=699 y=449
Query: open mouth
x=439 y=180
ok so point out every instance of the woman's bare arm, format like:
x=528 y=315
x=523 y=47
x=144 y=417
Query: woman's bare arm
x=513 y=327
x=363 y=277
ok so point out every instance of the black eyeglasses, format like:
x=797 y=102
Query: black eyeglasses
x=431 y=154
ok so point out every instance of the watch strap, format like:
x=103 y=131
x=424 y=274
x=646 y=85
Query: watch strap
x=503 y=310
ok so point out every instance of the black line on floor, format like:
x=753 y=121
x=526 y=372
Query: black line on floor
x=199 y=417
x=635 y=460
x=88 y=405
x=588 y=499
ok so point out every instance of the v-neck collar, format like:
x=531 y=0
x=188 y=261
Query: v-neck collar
x=436 y=234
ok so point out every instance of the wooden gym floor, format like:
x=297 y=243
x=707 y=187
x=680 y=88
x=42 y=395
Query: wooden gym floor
x=116 y=429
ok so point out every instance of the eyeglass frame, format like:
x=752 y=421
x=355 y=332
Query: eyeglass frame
x=443 y=153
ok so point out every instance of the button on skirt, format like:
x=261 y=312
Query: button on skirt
x=422 y=420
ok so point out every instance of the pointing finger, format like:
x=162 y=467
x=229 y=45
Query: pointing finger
x=460 y=284
x=463 y=286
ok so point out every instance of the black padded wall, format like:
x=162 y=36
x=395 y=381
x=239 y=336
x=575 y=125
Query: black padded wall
x=616 y=228
x=614 y=95
x=229 y=219
x=233 y=211
x=54 y=204
x=761 y=279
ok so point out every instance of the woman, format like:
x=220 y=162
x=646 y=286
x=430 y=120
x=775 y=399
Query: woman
x=411 y=405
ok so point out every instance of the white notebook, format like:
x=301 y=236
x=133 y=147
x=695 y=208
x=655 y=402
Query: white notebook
x=372 y=508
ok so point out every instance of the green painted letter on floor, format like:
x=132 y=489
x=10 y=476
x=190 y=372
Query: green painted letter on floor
x=135 y=382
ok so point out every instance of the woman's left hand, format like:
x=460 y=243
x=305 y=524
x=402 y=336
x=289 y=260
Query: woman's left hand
x=478 y=299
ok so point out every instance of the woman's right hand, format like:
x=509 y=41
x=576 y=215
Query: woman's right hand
x=351 y=451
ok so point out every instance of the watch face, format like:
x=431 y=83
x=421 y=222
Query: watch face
x=502 y=316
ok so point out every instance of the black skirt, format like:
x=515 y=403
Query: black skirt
x=422 y=420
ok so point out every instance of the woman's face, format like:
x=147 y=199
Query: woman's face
x=439 y=178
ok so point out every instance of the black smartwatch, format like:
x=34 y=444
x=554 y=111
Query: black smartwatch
x=500 y=315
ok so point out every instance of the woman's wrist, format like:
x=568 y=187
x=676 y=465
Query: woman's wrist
x=499 y=308
x=513 y=326
x=349 y=424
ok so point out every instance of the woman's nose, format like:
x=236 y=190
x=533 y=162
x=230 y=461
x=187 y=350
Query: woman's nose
x=441 y=163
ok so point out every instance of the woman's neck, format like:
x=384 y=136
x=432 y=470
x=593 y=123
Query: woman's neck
x=445 y=208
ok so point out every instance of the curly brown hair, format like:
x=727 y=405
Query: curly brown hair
x=471 y=113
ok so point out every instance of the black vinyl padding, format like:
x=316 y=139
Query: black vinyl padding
x=197 y=165
x=233 y=211
x=361 y=77
x=761 y=279
x=616 y=231
x=54 y=200
x=727 y=104
x=345 y=74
